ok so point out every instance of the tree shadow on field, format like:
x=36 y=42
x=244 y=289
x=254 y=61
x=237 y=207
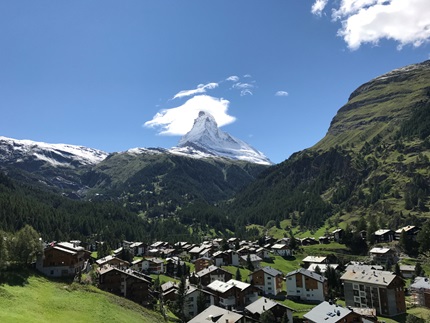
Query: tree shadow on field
x=14 y=277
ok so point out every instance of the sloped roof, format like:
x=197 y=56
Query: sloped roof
x=216 y=314
x=327 y=313
x=380 y=250
x=269 y=270
x=315 y=259
x=307 y=273
x=262 y=305
x=375 y=277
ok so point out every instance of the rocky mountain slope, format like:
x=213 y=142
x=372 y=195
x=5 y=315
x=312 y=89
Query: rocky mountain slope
x=373 y=162
x=208 y=165
x=56 y=166
x=207 y=138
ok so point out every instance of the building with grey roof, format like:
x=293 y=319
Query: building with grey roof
x=420 y=291
x=306 y=285
x=264 y=304
x=382 y=290
x=217 y=315
x=328 y=312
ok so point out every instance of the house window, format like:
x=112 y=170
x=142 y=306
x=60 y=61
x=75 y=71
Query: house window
x=289 y=278
x=355 y=286
x=269 y=278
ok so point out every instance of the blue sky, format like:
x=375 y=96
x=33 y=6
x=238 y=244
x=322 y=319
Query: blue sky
x=115 y=75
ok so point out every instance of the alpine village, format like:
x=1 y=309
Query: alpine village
x=210 y=231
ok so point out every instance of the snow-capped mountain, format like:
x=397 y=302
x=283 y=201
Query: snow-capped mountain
x=205 y=139
x=57 y=155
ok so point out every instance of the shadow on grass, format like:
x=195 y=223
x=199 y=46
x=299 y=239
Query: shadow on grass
x=15 y=277
x=289 y=258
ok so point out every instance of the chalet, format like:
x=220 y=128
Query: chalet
x=199 y=251
x=338 y=234
x=218 y=314
x=285 y=241
x=202 y=263
x=329 y=312
x=63 y=259
x=125 y=283
x=324 y=240
x=315 y=260
x=149 y=265
x=138 y=248
x=377 y=289
x=168 y=290
x=384 y=235
x=263 y=304
x=233 y=294
x=113 y=262
x=420 y=291
x=305 y=285
x=282 y=250
x=209 y=275
x=255 y=260
x=159 y=245
x=268 y=279
x=172 y=264
x=232 y=258
x=383 y=256
x=192 y=295
x=308 y=241
x=408 y=271
x=232 y=242
x=410 y=230
x=322 y=267
x=262 y=253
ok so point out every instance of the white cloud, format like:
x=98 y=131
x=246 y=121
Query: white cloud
x=179 y=120
x=369 y=21
x=318 y=7
x=245 y=92
x=201 y=88
x=245 y=88
x=232 y=78
x=281 y=93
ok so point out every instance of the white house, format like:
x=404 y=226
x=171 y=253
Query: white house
x=306 y=285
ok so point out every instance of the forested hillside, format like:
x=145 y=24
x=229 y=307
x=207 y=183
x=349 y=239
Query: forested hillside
x=374 y=161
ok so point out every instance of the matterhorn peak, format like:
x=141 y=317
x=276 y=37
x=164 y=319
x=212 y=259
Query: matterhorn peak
x=205 y=137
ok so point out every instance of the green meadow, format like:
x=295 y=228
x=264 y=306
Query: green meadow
x=28 y=297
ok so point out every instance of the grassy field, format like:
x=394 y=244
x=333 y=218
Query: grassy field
x=29 y=297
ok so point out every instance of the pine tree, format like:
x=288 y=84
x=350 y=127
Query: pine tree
x=238 y=275
x=4 y=255
x=178 y=306
x=267 y=317
x=249 y=264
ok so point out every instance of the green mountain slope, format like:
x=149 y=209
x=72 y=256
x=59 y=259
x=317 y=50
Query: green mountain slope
x=374 y=161
x=159 y=183
x=37 y=299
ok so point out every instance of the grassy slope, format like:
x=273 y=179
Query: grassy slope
x=37 y=299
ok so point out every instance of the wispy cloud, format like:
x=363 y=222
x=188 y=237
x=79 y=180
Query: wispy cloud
x=369 y=21
x=244 y=88
x=179 y=120
x=201 y=88
x=318 y=7
x=281 y=93
x=233 y=78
